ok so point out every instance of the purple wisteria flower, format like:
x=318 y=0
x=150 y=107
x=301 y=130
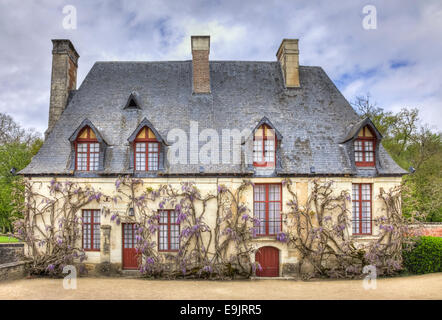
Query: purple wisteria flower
x=207 y=269
x=50 y=267
x=150 y=260
x=245 y=217
x=282 y=237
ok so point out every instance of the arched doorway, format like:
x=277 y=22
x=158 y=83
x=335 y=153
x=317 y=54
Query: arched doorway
x=268 y=258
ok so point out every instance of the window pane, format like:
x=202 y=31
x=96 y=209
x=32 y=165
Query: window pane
x=140 y=147
x=163 y=216
x=355 y=194
x=358 y=156
x=369 y=156
x=140 y=161
x=153 y=156
x=86 y=216
x=366 y=192
x=368 y=145
x=260 y=193
x=97 y=216
x=274 y=192
x=86 y=236
x=260 y=214
x=93 y=165
x=257 y=151
x=95 y=147
x=97 y=236
x=82 y=147
x=269 y=150
x=358 y=145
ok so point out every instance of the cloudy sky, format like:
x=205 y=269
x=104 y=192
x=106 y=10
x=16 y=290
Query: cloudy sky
x=399 y=63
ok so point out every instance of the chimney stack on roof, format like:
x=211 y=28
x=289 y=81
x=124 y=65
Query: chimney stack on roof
x=288 y=56
x=200 y=63
x=63 y=78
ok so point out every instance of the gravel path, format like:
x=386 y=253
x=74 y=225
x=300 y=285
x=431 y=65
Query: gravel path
x=413 y=287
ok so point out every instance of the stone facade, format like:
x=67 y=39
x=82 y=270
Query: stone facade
x=109 y=259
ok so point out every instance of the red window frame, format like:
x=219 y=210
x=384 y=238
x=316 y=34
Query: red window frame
x=360 y=222
x=88 y=141
x=267 y=213
x=169 y=237
x=364 y=141
x=93 y=225
x=264 y=138
x=146 y=152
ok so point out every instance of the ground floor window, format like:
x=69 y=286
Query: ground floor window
x=267 y=208
x=169 y=232
x=362 y=208
x=91 y=230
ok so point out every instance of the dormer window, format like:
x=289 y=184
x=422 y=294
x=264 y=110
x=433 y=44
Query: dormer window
x=87 y=150
x=147 y=151
x=364 y=146
x=264 y=147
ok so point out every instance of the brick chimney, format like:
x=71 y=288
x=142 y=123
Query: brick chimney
x=288 y=56
x=63 y=78
x=200 y=63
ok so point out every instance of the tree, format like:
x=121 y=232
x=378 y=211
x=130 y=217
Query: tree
x=17 y=147
x=411 y=144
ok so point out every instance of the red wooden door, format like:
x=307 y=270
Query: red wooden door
x=130 y=257
x=268 y=258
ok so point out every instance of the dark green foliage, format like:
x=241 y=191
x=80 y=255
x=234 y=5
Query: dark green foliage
x=17 y=147
x=424 y=256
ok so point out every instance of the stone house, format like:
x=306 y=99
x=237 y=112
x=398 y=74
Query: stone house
x=126 y=116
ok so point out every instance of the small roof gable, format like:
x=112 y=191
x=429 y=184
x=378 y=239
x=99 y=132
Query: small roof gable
x=86 y=123
x=266 y=121
x=353 y=133
x=133 y=102
x=146 y=123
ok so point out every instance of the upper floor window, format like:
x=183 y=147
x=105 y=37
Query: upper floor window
x=147 y=150
x=87 y=150
x=264 y=147
x=364 y=146
x=267 y=203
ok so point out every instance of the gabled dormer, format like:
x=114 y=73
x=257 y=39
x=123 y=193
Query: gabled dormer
x=266 y=142
x=87 y=148
x=147 y=149
x=363 y=142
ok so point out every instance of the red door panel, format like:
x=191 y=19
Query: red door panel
x=130 y=257
x=268 y=258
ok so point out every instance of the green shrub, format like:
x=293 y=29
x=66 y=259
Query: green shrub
x=424 y=256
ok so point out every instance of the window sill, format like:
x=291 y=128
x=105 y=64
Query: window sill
x=364 y=236
x=265 y=238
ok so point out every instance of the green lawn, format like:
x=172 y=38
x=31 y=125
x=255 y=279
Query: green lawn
x=6 y=239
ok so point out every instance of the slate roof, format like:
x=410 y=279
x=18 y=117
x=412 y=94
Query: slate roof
x=313 y=120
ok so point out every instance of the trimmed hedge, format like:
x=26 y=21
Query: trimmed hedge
x=425 y=256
